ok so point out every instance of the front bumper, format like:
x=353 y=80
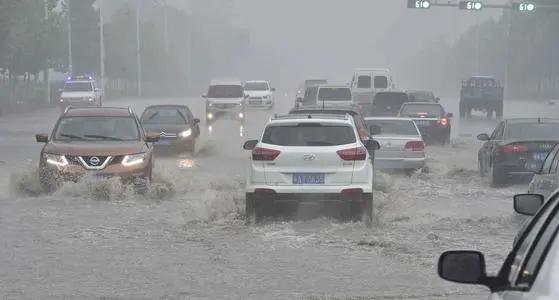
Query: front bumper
x=175 y=142
x=259 y=102
x=75 y=172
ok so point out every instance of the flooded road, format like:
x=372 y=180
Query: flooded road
x=186 y=238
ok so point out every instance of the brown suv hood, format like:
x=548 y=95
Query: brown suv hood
x=95 y=148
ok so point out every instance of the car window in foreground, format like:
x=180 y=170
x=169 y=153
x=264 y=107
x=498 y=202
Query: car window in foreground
x=164 y=115
x=256 y=86
x=78 y=87
x=225 y=91
x=394 y=127
x=333 y=94
x=97 y=128
x=533 y=131
x=414 y=109
x=308 y=134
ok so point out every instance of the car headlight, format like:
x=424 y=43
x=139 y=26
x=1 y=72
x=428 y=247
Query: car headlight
x=61 y=100
x=210 y=116
x=90 y=99
x=210 y=104
x=241 y=115
x=186 y=133
x=56 y=160
x=133 y=159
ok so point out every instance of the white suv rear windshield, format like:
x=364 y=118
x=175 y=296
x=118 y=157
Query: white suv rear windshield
x=334 y=94
x=309 y=134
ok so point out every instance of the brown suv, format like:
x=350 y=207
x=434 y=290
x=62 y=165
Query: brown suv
x=101 y=142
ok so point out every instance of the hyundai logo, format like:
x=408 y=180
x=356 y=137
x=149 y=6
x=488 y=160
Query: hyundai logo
x=94 y=161
x=309 y=157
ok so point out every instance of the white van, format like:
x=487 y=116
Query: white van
x=334 y=96
x=368 y=81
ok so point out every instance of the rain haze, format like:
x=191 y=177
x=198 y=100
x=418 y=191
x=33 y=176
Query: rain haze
x=264 y=149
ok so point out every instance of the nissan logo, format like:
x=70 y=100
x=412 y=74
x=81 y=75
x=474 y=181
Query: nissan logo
x=309 y=157
x=94 y=161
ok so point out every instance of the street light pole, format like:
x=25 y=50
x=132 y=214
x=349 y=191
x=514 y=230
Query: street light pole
x=102 y=45
x=69 y=24
x=47 y=68
x=138 y=50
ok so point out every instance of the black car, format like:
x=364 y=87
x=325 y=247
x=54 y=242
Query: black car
x=516 y=148
x=175 y=123
x=431 y=119
x=387 y=104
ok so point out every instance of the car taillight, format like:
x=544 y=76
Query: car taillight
x=415 y=146
x=264 y=154
x=353 y=191
x=514 y=148
x=443 y=121
x=359 y=153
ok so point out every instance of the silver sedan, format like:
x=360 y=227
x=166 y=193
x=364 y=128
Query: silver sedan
x=402 y=146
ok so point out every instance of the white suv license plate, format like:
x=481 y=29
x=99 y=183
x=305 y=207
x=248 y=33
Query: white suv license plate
x=308 y=178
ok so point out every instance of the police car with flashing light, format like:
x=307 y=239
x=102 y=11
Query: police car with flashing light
x=81 y=91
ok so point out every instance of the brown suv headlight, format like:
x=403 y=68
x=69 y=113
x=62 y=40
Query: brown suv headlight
x=186 y=133
x=134 y=159
x=56 y=160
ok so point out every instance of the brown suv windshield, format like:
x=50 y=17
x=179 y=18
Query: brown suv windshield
x=97 y=128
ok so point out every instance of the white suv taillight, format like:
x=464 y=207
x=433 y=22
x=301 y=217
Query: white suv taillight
x=264 y=154
x=415 y=146
x=359 y=153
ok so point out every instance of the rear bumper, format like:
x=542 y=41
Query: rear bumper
x=309 y=198
x=309 y=190
x=399 y=163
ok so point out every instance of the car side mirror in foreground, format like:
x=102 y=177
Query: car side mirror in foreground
x=449 y=115
x=42 y=138
x=483 y=137
x=463 y=267
x=373 y=145
x=196 y=121
x=152 y=137
x=204 y=96
x=437 y=100
x=250 y=145
x=528 y=204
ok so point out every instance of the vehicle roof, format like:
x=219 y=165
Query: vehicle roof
x=99 y=112
x=311 y=118
x=333 y=86
x=419 y=91
x=316 y=79
x=388 y=119
x=482 y=77
x=167 y=106
x=421 y=103
x=391 y=92
x=226 y=81
x=372 y=69
x=531 y=120
x=319 y=109
x=256 y=81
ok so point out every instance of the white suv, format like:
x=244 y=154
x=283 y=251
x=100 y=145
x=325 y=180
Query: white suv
x=310 y=158
x=259 y=94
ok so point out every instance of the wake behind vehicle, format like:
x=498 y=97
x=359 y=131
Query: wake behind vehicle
x=225 y=100
x=98 y=142
x=530 y=270
x=81 y=91
x=259 y=94
x=387 y=104
x=401 y=144
x=310 y=160
x=516 y=148
x=176 y=125
x=481 y=93
x=431 y=119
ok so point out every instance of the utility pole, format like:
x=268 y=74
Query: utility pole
x=138 y=50
x=69 y=24
x=478 y=26
x=47 y=67
x=102 y=45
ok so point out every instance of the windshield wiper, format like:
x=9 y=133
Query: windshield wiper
x=110 y=138
x=77 y=137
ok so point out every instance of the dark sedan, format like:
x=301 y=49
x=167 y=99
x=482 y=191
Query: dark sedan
x=431 y=119
x=175 y=123
x=516 y=148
